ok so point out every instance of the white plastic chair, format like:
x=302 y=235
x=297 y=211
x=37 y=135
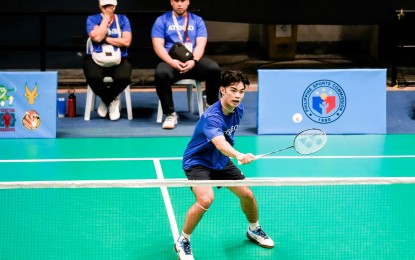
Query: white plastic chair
x=189 y=83
x=91 y=98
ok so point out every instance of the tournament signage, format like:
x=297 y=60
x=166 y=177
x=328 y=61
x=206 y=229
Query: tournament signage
x=350 y=101
x=28 y=104
x=324 y=101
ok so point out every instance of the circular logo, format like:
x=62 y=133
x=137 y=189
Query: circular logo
x=31 y=120
x=324 y=101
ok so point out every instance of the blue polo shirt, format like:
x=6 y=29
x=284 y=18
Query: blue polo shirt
x=212 y=123
x=94 y=20
x=164 y=27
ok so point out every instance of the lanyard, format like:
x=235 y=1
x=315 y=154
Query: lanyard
x=110 y=22
x=176 y=25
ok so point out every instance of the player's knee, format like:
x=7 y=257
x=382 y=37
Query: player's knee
x=247 y=196
x=205 y=201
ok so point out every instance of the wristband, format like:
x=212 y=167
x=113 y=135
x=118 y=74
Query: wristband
x=196 y=61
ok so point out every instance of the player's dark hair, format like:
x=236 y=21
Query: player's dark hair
x=232 y=77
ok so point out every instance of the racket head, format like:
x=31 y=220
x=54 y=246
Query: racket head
x=309 y=141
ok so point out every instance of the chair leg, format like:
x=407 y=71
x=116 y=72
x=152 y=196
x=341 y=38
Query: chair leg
x=128 y=102
x=93 y=101
x=90 y=98
x=199 y=96
x=190 y=97
x=159 y=113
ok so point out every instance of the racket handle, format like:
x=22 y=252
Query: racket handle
x=256 y=157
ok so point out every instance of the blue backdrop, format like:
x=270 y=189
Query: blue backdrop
x=339 y=101
x=28 y=104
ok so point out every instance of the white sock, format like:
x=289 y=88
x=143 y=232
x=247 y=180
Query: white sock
x=187 y=236
x=253 y=226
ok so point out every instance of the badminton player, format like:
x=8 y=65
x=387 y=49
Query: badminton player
x=207 y=157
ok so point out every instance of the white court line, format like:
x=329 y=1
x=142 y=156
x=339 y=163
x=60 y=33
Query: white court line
x=88 y=160
x=180 y=158
x=167 y=202
x=340 y=157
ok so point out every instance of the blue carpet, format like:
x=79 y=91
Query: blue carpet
x=400 y=112
x=400 y=117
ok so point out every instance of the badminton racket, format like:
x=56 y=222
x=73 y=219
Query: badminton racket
x=306 y=142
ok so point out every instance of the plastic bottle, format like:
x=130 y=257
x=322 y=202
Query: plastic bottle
x=71 y=103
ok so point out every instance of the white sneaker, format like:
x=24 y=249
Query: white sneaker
x=170 y=121
x=183 y=250
x=259 y=237
x=102 y=109
x=115 y=110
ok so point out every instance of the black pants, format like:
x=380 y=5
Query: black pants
x=206 y=70
x=94 y=74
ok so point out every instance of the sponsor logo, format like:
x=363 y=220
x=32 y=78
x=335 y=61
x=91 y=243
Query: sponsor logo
x=324 y=101
x=31 y=120
x=31 y=95
x=5 y=96
x=7 y=119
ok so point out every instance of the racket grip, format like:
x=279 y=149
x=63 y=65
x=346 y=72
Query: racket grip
x=256 y=157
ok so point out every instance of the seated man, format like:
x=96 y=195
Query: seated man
x=189 y=29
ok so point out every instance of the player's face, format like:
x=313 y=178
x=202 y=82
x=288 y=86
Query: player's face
x=180 y=6
x=233 y=95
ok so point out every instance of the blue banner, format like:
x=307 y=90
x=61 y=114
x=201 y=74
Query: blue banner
x=28 y=104
x=339 y=101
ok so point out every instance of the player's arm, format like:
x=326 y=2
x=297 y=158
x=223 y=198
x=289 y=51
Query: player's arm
x=99 y=32
x=124 y=41
x=199 y=49
x=226 y=149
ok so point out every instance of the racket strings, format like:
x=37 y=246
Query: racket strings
x=309 y=141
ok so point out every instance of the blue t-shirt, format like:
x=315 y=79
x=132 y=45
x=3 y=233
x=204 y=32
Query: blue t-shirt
x=165 y=28
x=96 y=19
x=212 y=123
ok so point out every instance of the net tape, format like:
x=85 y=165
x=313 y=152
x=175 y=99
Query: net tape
x=309 y=181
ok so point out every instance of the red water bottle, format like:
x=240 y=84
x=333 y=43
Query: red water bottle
x=71 y=103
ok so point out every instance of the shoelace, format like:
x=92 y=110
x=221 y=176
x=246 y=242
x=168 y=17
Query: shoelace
x=170 y=118
x=186 y=247
x=114 y=106
x=259 y=232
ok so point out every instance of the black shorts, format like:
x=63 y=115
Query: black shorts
x=202 y=173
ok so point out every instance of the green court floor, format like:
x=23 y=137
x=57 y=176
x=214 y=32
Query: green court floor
x=358 y=221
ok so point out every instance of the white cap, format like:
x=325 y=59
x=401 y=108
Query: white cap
x=107 y=2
